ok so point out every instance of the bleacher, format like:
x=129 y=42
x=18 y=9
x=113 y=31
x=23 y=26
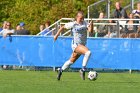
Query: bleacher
x=120 y=23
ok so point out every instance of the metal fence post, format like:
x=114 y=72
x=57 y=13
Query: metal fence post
x=118 y=29
x=132 y=5
x=88 y=12
x=108 y=8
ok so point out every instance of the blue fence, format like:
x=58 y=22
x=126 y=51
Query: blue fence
x=43 y=51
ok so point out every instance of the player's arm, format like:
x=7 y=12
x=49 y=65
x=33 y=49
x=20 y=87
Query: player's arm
x=8 y=33
x=5 y=35
x=66 y=26
x=58 y=32
x=90 y=27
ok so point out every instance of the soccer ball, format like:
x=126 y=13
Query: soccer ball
x=92 y=75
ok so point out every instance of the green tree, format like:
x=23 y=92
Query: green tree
x=35 y=12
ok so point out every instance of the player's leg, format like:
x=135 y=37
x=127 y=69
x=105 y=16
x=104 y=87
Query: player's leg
x=72 y=59
x=83 y=50
x=67 y=64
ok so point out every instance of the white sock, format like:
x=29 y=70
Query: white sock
x=67 y=64
x=86 y=57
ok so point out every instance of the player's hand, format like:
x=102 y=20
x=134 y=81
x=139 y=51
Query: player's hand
x=55 y=37
x=91 y=21
x=4 y=35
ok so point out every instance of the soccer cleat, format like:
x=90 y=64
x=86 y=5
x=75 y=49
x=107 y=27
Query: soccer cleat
x=82 y=74
x=59 y=74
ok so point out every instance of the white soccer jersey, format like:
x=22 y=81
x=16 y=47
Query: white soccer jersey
x=6 y=31
x=79 y=32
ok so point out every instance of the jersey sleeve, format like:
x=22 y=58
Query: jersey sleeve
x=134 y=11
x=69 y=25
x=12 y=31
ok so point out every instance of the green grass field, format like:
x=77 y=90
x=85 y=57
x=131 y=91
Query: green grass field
x=45 y=82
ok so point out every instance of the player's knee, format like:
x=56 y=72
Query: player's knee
x=88 y=53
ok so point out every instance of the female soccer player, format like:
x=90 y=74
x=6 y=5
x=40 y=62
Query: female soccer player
x=79 y=28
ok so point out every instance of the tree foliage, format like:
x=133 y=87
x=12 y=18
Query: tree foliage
x=35 y=12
